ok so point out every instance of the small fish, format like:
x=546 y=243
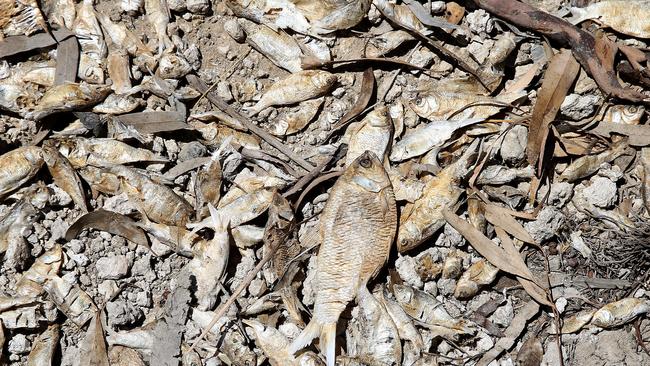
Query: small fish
x=117 y=104
x=123 y=37
x=402 y=320
x=478 y=274
x=290 y=122
x=216 y=134
x=624 y=114
x=589 y=164
x=406 y=188
x=100 y=180
x=43 y=76
x=278 y=47
x=158 y=17
x=236 y=349
x=431 y=136
x=89 y=32
x=45 y=346
x=103 y=151
x=47 y=264
x=246 y=236
x=160 y=203
x=18 y=166
x=90 y=69
x=373 y=133
x=207 y=185
x=295 y=88
x=619 y=312
x=70 y=299
x=21 y=18
x=441 y=104
x=384 y=43
x=210 y=259
x=20 y=218
x=67 y=97
x=62 y=13
x=64 y=175
x=627 y=17
x=358 y=226
x=118 y=66
x=274 y=345
x=328 y=16
x=499 y=174
x=173 y=66
x=403 y=14
x=577 y=321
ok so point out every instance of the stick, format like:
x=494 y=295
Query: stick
x=202 y=87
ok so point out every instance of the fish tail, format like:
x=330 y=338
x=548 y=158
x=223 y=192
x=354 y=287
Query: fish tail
x=328 y=342
x=307 y=335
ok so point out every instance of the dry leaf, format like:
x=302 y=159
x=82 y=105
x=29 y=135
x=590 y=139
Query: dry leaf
x=639 y=135
x=155 y=121
x=111 y=222
x=367 y=89
x=530 y=353
x=558 y=78
x=487 y=248
x=67 y=61
x=93 y=347
x=18 y=44
x=498 y=216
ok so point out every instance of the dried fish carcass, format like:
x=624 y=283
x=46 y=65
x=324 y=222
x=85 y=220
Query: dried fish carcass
x=64 y=175
x=331 y=15
x=18 y=166
x=372 y=335
x=207 y=186
x=210 y=259
x=90 y=69
x=103 y=151
x=441 y=104
x=158 y=16
x=627 y=17
x=236 y=350
x=61 y=12
x=247 y=182
x=278 y=47
x=124 y=38
x=45 y=347
x=89 y=32
x=70 y=299
x=131 y=7
x=247 y=207
x=173 y=66
x=43 y=76
x=290 y=122
x=382 y=44
x=479 y=274
x=589 y=164
x=358 y=227
x=431 y=136
x=403 y=321
x=406 y=188
x=100 y=180
x=118 y=104
x=216 y=134
x=21 y=18
x=619 y=312
x=12 y=240
x=14 y=97
x=295 y=88
x=373 y=133
x=403 y=14
x=68 y=97
x=160 y=203
x=624 y=114
x=274 y=345
x=118 y=66
x=32 y=280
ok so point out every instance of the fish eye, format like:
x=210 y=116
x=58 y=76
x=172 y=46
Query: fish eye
x=365 y=162
x=419 y=101
x=632 y=109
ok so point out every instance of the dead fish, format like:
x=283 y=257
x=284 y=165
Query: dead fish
x=102 y=152
x=499 y=174
x=295 y=88
x=246 y=236
x=586 y=165
x=384 y=43
x=216 y=134
x=210 y=260
x=619 y=312
x=117 y=104
x=21 y=18
x=131 y=7
x=207 y=185
x=89 y=32
x=18 y=166
x=438 y=105
x=218 y=116
x=118 y=67
x=403 y=14
x=160 y=203
x=627 y=17
x=32 y=281
x=64 y=175
x=43 y=76
x=173 y=66
x=479 y=274
x=244 y=208
x=247 y=182
x=373 y=133
x=503 y=47
x=358 y=225
x=44 y=347
x=100 y=180
x=278 y=47
x=61 y=13
x=290 y=122
x=235 y=348
x=431 y=136
x=158 y=17
x=274 y=345
x=70 y=299
x=141 y=339
x=331 y=15
x=19 y=219
x=123 y=38
x=68 y=97
x=577 y=321
x=90 y=70
x=452 y=265
x=372 y=335
x=406 y=188
x=624 y=114
x=402 y=320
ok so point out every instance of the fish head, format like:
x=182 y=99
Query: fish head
x=323 y=79
x=403 y=294
x=380 y=117
x=626 y=114
x=367 y=172
x=424 y=104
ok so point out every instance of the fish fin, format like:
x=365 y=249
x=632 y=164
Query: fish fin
x=328 y=342
x=307 y=335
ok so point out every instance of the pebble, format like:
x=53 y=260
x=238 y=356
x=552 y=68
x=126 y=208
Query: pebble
x=577 y=107
x=223 y=91
x=191 y=150
x=513 y=147
x=406 y=267
x=112 y=268
x=123 y=313
x=19 y=344
x=108 y=289
x=547 y=224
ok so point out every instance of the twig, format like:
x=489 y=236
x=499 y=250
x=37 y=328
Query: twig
x=226 y=74
x=307 y=178
x=316 y=182
x=202 y=87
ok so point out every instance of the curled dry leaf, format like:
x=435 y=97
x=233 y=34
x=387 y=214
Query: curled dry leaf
x=111 y=222
x=93 y=347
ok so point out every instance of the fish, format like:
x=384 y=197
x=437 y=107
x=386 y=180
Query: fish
x=118 y=67
x=123 y=37
x=627 y=17
x=358 y=226
x=62 y=13
x=384 y=43
x=589 y=164
x=88 y=31
x=216 y=134
x=210 y=259
x=404 y=323
x=291 y=122
x=47 y=264
x=173 y=66
x=236 y=349
x=158 y=17
x=117 y=104
x=274 y=345
x=207 y=185
x=67 y=97
x=624 y=114
x=102 y=152
x=478 y=274
x=70 y=299
x=100 y=180
x=159 y=202
x=280 y=48
x=619 y=312
x=373 y=133
x=499 y=174
x=43 y=76
x=64 y=175
x=44 y=347
x=131 y=7
x=90 y=69
x=403 y=14
x=431 y=136
x=18 y=166
x=442 y=104
x=295 y=88
x=21 y=18
x=13 y=244
x=327 y=16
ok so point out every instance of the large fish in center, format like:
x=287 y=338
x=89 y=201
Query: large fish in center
x=358 y=226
